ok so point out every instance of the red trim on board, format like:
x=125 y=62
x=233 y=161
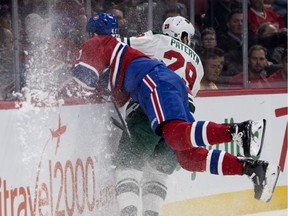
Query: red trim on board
x=284 y=150
x=237 y=92
x=4 y=105
x=278 y=113
x=203 y=93
x=281 y=111
x=7 y=105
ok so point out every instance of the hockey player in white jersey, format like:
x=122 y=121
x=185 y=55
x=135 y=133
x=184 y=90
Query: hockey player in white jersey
x=144 y=161
x=173 y=48
x=148 y=173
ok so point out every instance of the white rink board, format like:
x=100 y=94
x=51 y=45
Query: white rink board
x=78 y=179
x=75 y=180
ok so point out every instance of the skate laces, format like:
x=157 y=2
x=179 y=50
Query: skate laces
x=237 y=137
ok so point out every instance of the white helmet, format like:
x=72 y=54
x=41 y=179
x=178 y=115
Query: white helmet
x=175 y=26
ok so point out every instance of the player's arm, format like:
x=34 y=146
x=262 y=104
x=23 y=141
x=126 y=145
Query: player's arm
x=86 y=76
x=144 y=42
x=84 y=72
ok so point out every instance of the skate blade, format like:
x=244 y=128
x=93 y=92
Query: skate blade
x=257 y=139
x=272 y=174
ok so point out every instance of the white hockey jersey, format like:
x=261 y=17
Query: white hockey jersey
x=175 y=54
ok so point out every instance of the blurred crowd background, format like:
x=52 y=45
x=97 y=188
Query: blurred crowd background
x=242 y=44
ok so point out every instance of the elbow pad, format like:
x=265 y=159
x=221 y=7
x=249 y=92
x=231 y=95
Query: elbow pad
x=86 y=76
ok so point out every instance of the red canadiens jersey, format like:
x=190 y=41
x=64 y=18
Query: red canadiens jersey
x=99 y=54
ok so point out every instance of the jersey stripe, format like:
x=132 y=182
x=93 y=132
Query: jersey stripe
x=154 y=98
x=157 y=106
x=126 y=40
x=198 y=133
x=115 y=52
x=214 y=162
x=116 y=57
x=220 y=162
x=192 y=134
x=204 y=134
x=149 y=82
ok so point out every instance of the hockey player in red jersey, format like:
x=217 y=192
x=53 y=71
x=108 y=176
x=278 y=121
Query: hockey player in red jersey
x=149 y=160
x=163 y=96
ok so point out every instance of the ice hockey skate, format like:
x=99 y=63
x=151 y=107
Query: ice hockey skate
x=249 y=135
x=264 y=177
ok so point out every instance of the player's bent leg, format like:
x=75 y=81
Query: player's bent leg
x=163 y=159
x=133 y=151
x=154 y=191
x=264 y=177
x=181 y=135
x=249 y=135
x=159 y=166
x=128 y=191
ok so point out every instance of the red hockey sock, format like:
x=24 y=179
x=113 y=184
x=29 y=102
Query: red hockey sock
x=217 y=133
x=231 y=165
x=195 y=160
x=177 y=134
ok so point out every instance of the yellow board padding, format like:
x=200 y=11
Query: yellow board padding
x=234 y=203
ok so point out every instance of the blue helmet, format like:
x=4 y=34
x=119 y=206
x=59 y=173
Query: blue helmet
x=103 y=24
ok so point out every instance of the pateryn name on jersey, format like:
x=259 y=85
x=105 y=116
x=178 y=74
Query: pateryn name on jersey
x=186 y=49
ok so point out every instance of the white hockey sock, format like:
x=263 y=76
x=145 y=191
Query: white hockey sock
x=154 y=191
x=128 y=191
